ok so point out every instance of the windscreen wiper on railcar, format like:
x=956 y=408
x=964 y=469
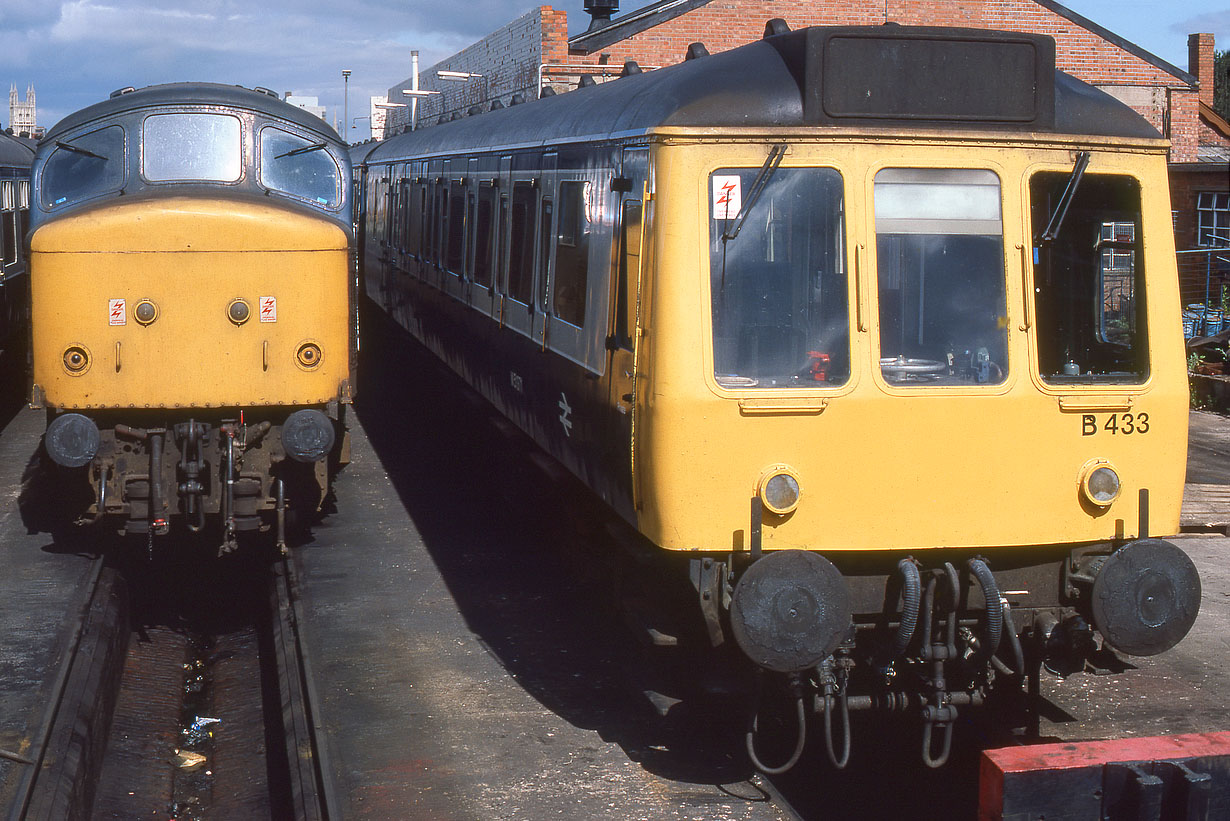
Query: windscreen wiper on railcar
x=79 y=150
x=757 y=188
x=300 y=150
x=1065 y=200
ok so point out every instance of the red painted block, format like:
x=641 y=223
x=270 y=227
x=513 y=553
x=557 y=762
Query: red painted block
x=1129 y=777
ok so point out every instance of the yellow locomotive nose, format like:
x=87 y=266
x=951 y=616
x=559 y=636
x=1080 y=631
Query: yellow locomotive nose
x=178 y=251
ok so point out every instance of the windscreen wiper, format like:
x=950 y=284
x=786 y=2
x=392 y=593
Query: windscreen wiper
x=1065 y=200
x=303 y=149
x=757 y=188
x=79 y=150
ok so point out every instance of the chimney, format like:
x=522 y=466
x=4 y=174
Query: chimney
x=1200 y=63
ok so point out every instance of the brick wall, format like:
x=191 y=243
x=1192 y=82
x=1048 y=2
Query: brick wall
x=1200 y=63
x=508 y=60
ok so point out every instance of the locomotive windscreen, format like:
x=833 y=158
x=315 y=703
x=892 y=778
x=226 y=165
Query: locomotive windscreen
x=969 y=76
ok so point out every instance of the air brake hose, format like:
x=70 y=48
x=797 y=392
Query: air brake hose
x=800 y=741
x=911 y=594
x=990 y=592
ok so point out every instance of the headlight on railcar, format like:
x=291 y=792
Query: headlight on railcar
x=779 y=489
x=1100 y=483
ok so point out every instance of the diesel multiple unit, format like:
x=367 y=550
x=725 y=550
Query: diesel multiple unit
x=875 y=329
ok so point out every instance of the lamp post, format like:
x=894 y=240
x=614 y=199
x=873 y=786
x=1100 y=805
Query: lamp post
x=346 y=100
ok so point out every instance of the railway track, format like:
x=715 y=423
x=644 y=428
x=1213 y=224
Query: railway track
x=186 y=695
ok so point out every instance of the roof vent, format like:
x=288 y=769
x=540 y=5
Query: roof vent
x=631 y=67
x=456 y=115
x=268 y=92
x=696 y=51
x=586 y=81
x=547 y=91
x=775 y=27
x=517 y=99
x=119 y=92
x=496 y=105
x=443 y=119
x=474 y=109
x=600 y=12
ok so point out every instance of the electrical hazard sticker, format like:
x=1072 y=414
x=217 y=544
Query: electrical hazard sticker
x=269 y=309
x=117 y=311
x=727 y=196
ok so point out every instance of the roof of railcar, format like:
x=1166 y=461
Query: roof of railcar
x=194 y=94
x=758 y=84
x=14 y=153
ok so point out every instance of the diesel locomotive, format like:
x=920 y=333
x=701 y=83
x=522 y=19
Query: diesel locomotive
x=876 y=330
x=193 y=305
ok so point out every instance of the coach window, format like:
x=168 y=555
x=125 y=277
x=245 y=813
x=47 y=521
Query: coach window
x=300 y=167
x=1089 y=296
x=521 y=242
x=418 y=199
x=204 y=147
x=455 y=233
x=8 y=223
x=484 y=234
x=777 y=278
x=571 y=253
x=84 y=166
x=940 y=268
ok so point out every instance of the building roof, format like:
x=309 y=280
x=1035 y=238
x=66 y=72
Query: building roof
x=15 y=152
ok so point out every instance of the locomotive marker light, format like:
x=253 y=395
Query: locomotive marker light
x=308 y=356
x=1146 y=597
x=307 y=435
x=72 y=440
x=790 y=610
x=76 y=360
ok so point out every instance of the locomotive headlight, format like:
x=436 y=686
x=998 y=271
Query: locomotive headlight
x=1100 y=483
x=238 y=311
x=779 y=489
x=76 y=360
x=145 y=312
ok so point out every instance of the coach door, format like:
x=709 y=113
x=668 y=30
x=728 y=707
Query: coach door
x=483 y=247
x=630 y=183
x=544 y=258
x=521 y=243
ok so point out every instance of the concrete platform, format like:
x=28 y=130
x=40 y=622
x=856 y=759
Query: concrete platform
x=43 y=594
x=457 y=676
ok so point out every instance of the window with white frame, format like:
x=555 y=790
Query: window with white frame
x=1213 y=219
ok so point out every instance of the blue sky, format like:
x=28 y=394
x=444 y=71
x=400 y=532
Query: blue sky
x=76 y=52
